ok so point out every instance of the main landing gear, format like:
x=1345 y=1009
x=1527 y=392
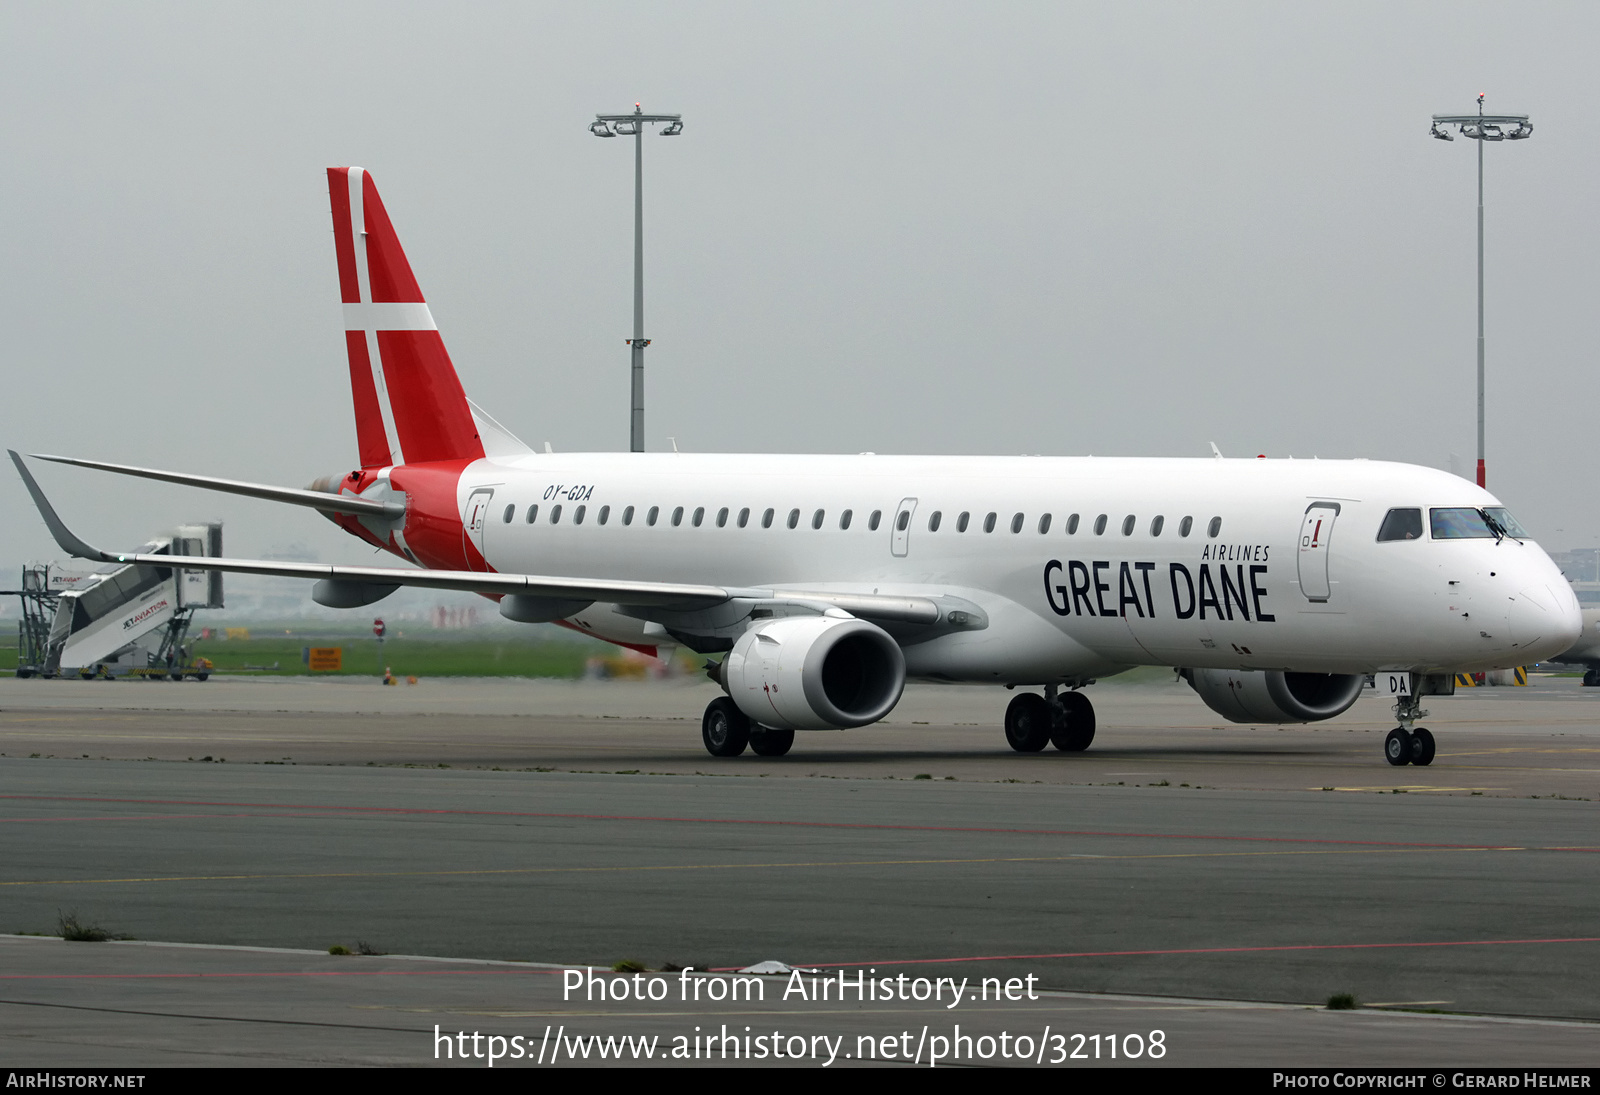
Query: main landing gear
x=1406 y=744
x=726 y=731
x=1065 y=721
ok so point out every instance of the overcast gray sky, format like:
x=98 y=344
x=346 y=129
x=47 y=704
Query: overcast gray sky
x=1119 y=229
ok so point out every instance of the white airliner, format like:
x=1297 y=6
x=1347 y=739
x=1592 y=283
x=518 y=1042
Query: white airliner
x=1273 y=586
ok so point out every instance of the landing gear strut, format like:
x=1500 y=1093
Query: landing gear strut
x=1065 y=721
x=1406 y=744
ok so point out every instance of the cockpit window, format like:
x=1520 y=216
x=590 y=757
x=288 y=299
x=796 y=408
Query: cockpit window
x=1459 y=523
x=1401 y=524
x=1508 y=524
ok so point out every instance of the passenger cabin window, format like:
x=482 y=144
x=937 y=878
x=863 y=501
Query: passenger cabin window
x=766 y=519
x=1186 y=526
x=699 y=515
x=511 y=511
x=1156 y=524
x=555 y=515
x=1100 y=525
x=1044 y=524
x=677 y=517
x=1214 y=528
x=844 y=518
x=988 y=523
x=1072 y=525
x=933 y=520
x=903 y=521
x=722 y=517
x=1401 y=524
x=533 y=513
x=577 y=515
x=1016 y=523
x=605 y=514
x=874 y=520
x=794 y=518
x=1127 y=525
x=650 y=518
x=744 y=517
x=627 y=516
x=961 y=522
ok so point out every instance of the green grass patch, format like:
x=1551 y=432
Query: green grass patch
x=266 y=654
x=70 y=928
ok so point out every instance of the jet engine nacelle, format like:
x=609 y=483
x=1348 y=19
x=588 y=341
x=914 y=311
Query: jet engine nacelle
x=825 y=672
x=1253 y=695
x=340 y=593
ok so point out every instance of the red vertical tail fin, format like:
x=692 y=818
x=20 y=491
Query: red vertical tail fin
x=409 y=404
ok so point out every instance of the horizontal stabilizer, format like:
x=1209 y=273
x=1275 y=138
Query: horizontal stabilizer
x=316 y=499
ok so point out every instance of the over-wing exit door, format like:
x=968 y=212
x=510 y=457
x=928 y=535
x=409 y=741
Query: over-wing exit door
x=1315 y=533
x=900 y=531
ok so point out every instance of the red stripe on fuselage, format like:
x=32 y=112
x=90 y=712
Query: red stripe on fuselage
x=433 y=518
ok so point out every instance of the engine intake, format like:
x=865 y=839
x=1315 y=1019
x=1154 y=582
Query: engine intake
x=815 y=673
x=1254 y=695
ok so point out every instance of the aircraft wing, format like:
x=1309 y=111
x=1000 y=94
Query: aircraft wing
x=677 y=597
x=316 y=499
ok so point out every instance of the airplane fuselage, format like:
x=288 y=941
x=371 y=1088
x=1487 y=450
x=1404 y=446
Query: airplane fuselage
x=1082 y=565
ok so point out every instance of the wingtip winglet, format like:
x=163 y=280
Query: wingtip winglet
x=63 y=535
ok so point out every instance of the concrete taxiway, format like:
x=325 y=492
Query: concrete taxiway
x=1176 y=859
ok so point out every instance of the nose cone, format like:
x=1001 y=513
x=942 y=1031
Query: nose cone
x=1544 y=619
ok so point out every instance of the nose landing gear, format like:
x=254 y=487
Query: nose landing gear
x=1406 y=744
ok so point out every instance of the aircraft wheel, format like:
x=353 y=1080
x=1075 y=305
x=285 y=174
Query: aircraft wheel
x=724 y=728
x=1074 y=729
x=1397 y=747
x=770 y=742
x=1421 y=747
x=1028 y=723
x=1591 y=678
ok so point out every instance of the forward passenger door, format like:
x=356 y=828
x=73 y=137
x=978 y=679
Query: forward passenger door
x=1316 y=531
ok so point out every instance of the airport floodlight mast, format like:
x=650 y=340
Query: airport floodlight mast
x=1482 y=127
x=632 y=125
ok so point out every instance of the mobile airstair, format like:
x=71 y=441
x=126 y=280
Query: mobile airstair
x=115 y=620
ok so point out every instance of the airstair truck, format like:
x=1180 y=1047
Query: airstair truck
x=132 y=620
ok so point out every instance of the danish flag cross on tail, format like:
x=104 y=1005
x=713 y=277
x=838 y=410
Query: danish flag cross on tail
x=409 y=404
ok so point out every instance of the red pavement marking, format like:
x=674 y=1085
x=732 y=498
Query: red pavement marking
x=291 y=973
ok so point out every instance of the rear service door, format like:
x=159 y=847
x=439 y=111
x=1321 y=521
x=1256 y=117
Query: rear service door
x=1316 y=532
x=475 y=518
